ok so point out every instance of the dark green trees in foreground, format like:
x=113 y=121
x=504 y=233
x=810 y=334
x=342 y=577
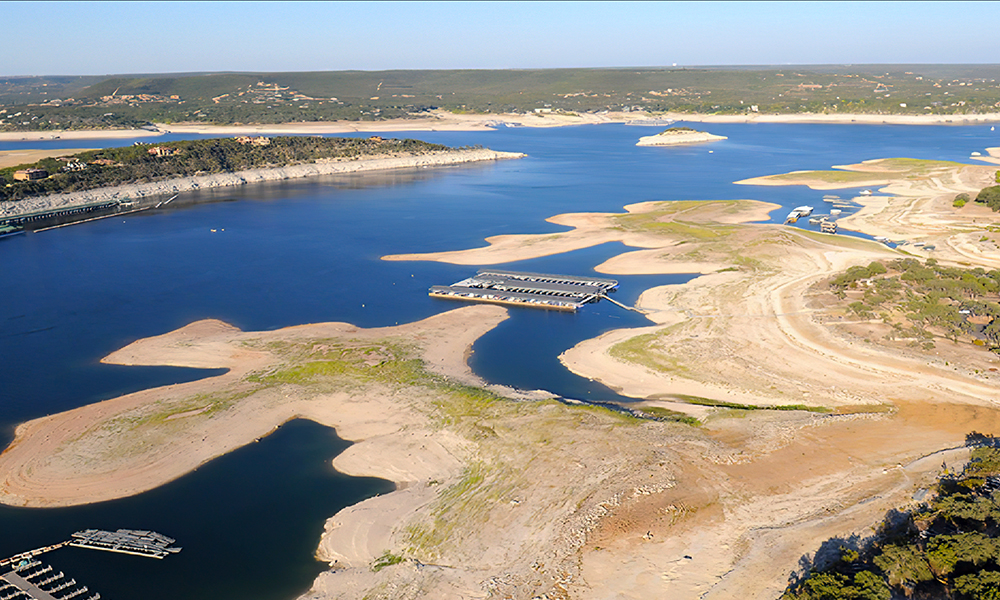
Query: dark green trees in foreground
x=948 y=548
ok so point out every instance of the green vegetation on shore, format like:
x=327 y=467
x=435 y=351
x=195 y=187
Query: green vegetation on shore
x=153 y=162
x=47 y=103
x=922 y=301
x=990 y=196
x=946 y=548
x=882 y=170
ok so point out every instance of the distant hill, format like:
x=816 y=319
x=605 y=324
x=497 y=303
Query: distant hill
x=372 y=95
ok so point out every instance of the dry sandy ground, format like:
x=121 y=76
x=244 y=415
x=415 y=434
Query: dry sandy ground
x=736 y=523
x=437 y=121
x=525 y=498
x=860 y=119
x=130 y=444
x=13 y=158
x=445 y=121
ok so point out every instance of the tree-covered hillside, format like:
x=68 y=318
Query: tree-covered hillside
x=123 y=101
x=151 y=162
x=946 y=549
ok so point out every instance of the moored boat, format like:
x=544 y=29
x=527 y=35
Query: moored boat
x=10 y=231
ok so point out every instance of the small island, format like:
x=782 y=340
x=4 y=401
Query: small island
x=678 y=135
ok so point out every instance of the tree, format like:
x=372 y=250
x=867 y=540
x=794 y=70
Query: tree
x=905 y=566
x=990 y=196
x=984 y=585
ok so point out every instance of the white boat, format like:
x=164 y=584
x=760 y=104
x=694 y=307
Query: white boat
x=804 y=211
x=865 y=193
x=835 y=211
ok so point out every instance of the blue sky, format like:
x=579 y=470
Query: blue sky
x=98 y=38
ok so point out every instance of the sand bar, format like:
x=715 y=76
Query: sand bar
x=13 y=158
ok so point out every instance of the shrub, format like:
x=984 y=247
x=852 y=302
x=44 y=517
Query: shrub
x=990 y=196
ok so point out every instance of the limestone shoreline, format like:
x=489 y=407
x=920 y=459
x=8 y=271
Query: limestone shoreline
x=178 y=185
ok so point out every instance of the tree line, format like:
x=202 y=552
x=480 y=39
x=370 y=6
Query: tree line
x=135 y=164
x=947 y=548
x=914 y=297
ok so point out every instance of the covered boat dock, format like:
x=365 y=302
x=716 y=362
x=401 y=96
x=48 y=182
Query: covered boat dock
x=537 y=290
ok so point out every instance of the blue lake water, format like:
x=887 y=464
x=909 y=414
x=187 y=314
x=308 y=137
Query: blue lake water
x=308 y=251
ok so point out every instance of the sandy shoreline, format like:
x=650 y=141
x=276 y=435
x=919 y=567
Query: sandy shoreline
x=179 y=185
x=521 y=499
x=752 y=336
x=444 y=121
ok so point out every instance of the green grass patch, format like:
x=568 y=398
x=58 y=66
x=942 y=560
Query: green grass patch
x=387 y=559
x=834 y=176
x=700 y=401
x=464 y=504
x=917 y=165
x=648 y=223
x=658 y=413
x=641 y=350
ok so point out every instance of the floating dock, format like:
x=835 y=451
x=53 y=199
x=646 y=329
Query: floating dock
x=536 y=290
x=125 y=541
x=40 y=215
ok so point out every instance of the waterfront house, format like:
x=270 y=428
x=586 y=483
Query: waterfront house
x=30 y=174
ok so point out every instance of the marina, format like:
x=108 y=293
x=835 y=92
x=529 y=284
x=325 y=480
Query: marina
x=42 y=215
x=536 y=290
x=22 y=577
x=44 y=220
x=32 y=580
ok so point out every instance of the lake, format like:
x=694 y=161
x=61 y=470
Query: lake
x=281 y=254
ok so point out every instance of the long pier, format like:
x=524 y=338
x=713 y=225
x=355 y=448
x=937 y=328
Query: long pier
x=56 y=213
x=536 y=290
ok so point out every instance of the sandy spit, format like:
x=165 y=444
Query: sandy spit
x=200 y=182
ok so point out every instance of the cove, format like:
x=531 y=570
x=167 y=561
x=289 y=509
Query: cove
x=249 y=523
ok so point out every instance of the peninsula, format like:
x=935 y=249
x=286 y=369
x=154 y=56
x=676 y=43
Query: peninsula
x=836 y=425
x=678 y=135
x=141 y=170
x=836 y=422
